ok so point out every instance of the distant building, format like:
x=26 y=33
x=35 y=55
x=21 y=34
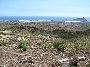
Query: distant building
x=72 y=21
x=34 y=20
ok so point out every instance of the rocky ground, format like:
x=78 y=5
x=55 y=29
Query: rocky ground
x=33 y=57
x=36 y=56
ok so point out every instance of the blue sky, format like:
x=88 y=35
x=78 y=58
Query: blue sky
x=75 y=8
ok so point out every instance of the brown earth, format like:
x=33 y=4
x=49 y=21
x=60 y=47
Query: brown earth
x=11 y=56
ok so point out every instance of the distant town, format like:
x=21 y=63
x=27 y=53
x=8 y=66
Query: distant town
x=74 y=20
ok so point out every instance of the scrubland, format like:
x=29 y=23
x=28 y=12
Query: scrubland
x=44 y=46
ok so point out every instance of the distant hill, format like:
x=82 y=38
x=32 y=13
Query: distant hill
x=80 y=19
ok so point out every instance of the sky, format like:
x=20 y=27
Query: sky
x=74 y=8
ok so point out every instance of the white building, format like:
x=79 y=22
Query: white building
x=72 y=21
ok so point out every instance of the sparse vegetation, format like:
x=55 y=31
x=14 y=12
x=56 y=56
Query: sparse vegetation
x=88 y=65
x=67 y=41
x=3 y=43
x=23 y=45
x=59 y=45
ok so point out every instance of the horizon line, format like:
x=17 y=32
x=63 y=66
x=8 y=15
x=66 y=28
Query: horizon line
x=43 y=16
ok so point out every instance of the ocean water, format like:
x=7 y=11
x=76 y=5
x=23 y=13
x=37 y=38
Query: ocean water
x=55 y=18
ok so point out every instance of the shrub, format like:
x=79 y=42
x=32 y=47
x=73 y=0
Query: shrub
x=46 y=45
x=23 y=45
x=3 y=43
x=59 y=45
x=88 y=65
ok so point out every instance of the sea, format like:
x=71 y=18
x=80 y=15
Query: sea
x=54 y=18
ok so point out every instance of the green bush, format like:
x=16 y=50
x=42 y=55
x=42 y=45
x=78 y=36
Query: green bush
x=3 y=43
x=23 y=45
x=88 y=65
x=46 y=45
x=59 y=45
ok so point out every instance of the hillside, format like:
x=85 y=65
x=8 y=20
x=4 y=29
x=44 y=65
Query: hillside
x=44 y=44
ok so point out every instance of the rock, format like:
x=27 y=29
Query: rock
x=65 y=64
x=64 y=60
x=27 y=59
x=81 y=58
x=19 y=39
x=73 y=62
